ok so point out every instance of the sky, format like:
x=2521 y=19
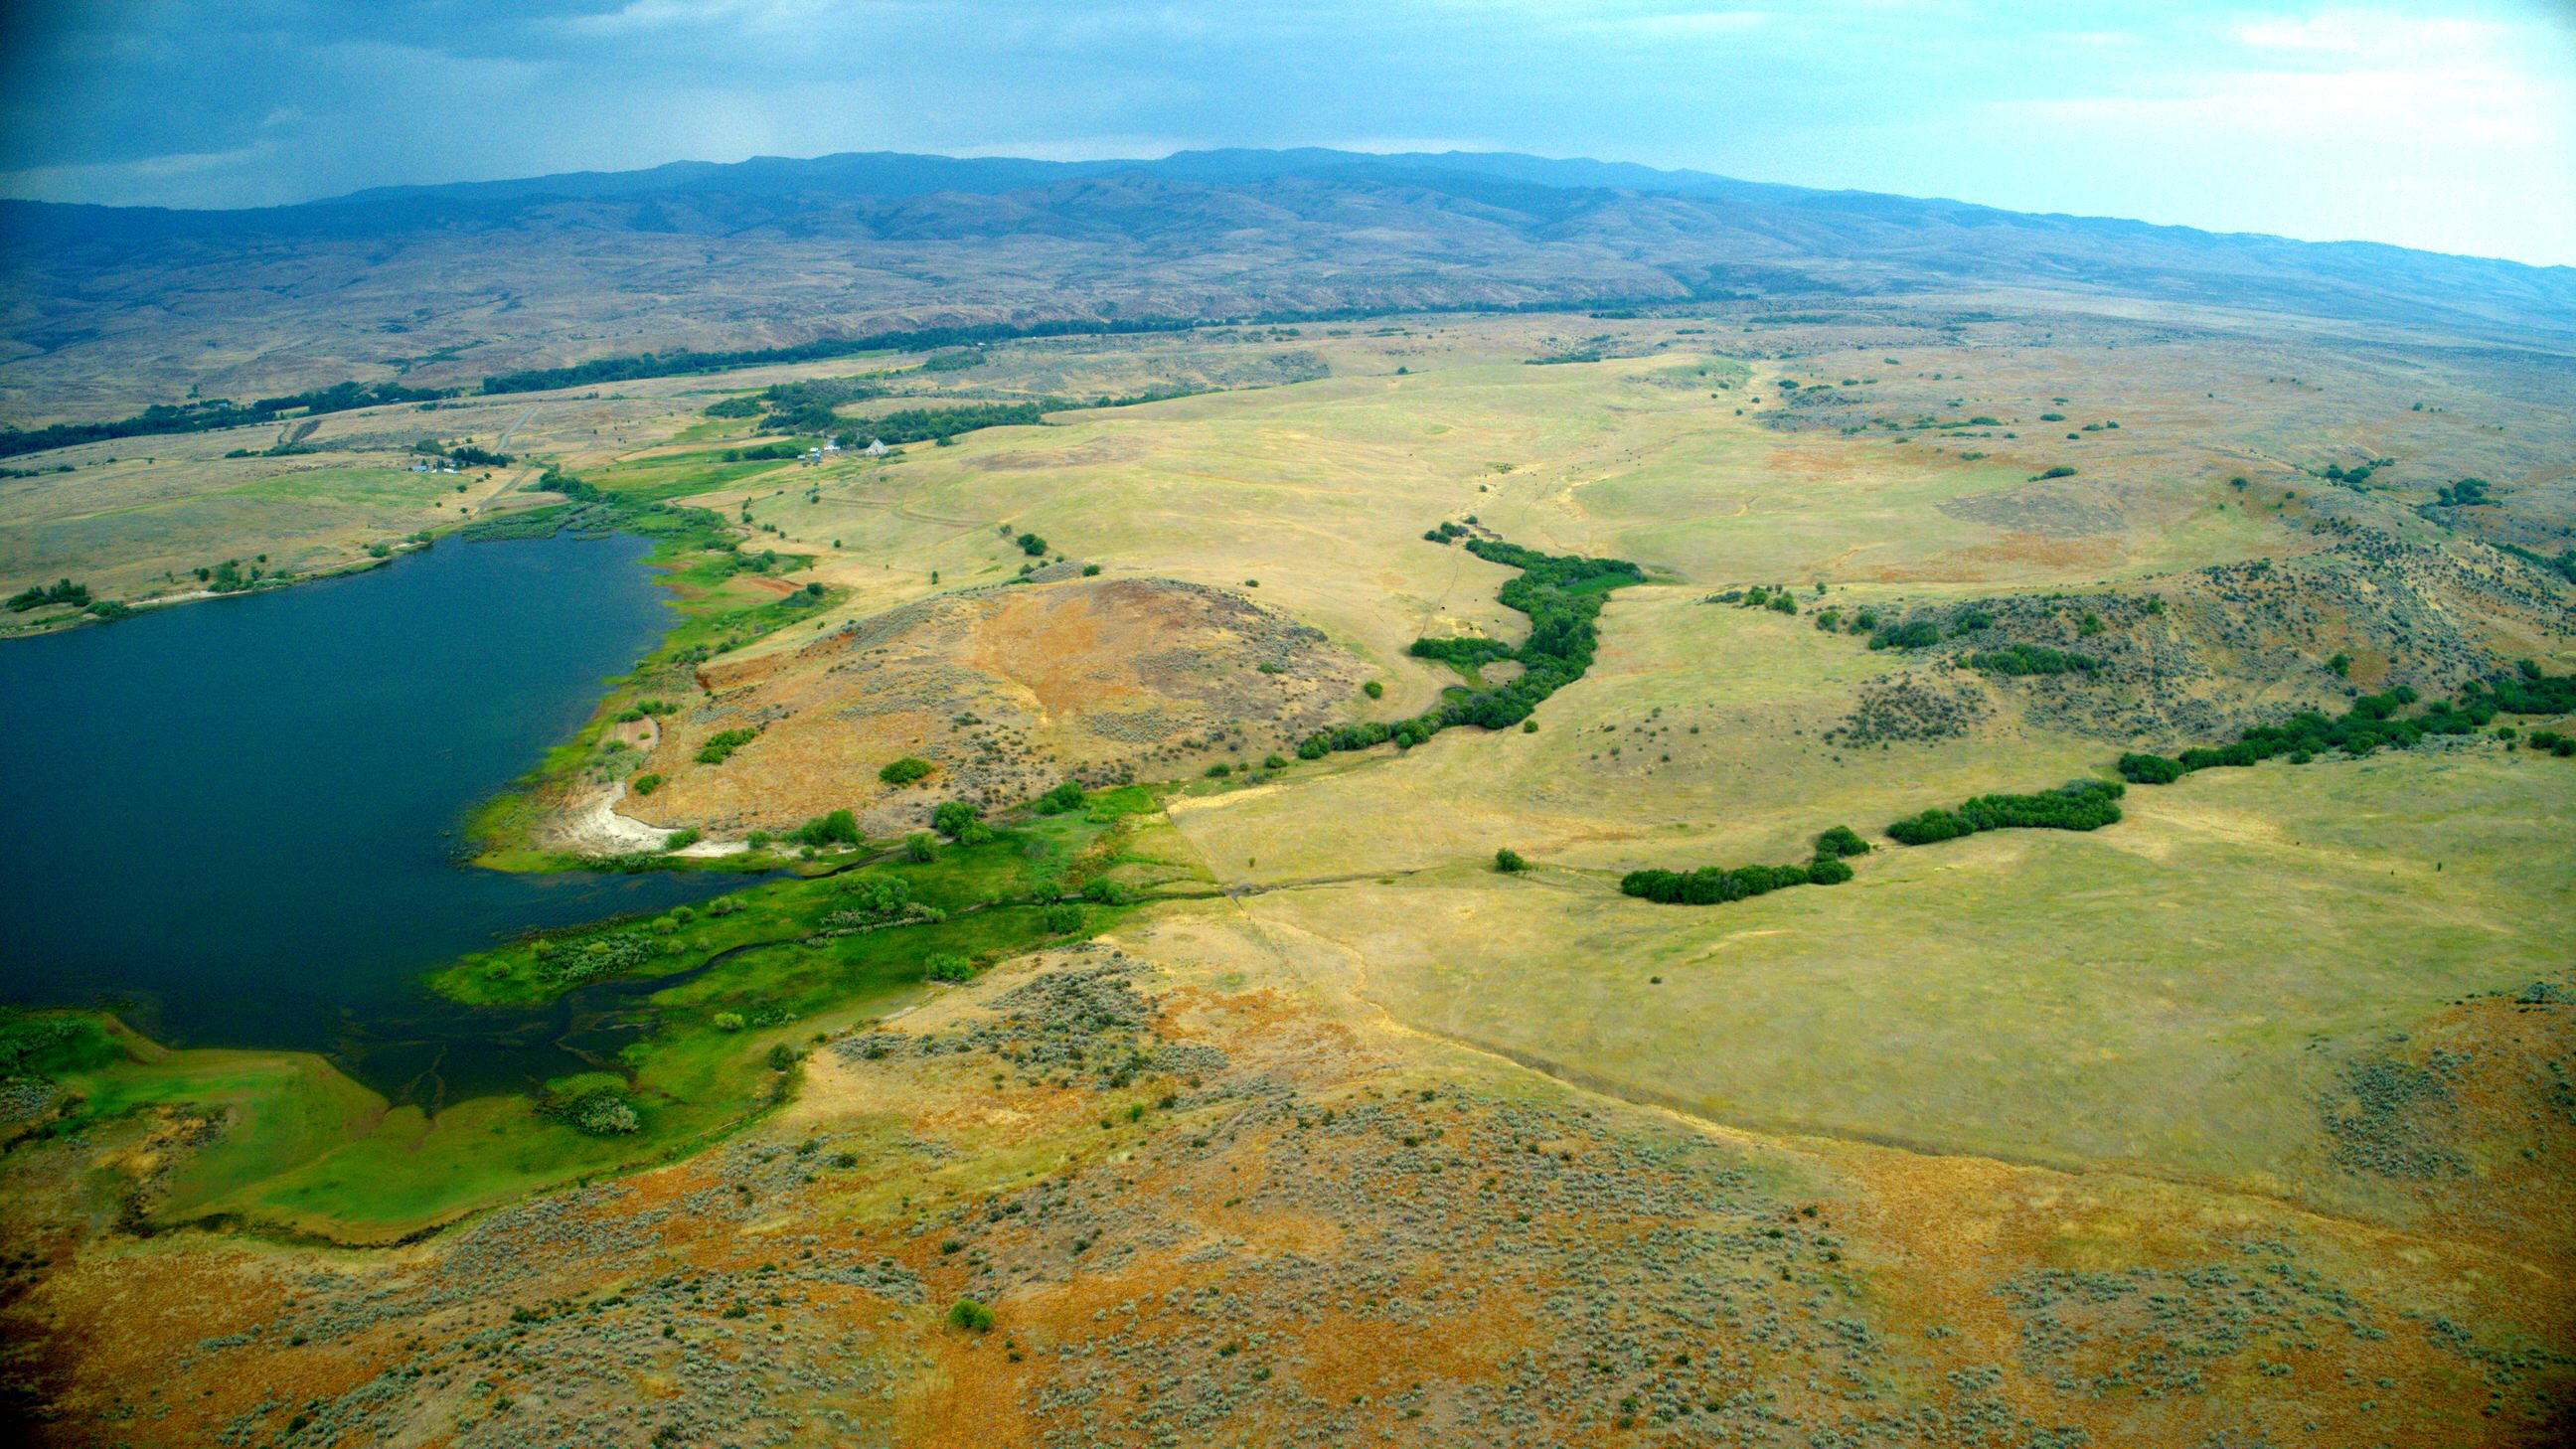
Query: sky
x=2450 y=126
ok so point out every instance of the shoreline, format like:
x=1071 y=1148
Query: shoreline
x=83 y=618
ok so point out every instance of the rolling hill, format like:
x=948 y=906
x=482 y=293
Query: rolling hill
x=108 y=308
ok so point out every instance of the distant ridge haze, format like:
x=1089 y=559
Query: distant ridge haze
x=448 y=283
x=905 y=174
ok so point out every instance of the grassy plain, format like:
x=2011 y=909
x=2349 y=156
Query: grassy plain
x=2172 y=996
x=1697 y=735
x=139 y=528
x=2209 y=1119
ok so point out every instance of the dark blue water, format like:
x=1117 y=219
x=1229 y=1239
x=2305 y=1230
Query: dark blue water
x=236 y=819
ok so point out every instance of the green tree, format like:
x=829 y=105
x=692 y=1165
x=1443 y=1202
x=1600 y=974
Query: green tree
x=839 y=827
x=1840 y=841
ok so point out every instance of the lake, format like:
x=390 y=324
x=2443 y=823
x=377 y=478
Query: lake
x=236 y=820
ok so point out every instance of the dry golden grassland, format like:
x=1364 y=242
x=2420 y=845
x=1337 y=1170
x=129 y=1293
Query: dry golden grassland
x=2244 y=1120
x=1302 y=1217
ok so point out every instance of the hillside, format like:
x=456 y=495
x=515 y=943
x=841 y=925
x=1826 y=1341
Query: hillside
x=1954 y=835
x=1251 y=1100
x=110 y=308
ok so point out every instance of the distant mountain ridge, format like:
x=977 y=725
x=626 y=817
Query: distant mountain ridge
x=486 y=276
x=893 y=174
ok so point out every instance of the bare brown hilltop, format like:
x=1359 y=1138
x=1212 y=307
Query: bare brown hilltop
x=1005 y=691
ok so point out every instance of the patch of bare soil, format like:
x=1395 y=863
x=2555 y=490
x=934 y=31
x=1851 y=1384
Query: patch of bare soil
x=2038 y=508
x=1005 y=691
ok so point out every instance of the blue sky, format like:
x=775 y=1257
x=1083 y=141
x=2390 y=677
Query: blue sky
x=2450 y=126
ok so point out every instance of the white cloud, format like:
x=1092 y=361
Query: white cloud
x=1085 y=148
x=186 y=178
x=1399 y=145
x=767 y=16
x=2366 y=32
x=2354 y=109
x=1692 y=23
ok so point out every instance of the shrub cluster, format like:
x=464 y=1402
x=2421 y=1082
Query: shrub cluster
x=839 y=827
x=2033 y=659
x=1715 y=885
x=1778 y=598
x=599 y=1112
x=37 y=596
x=2371 y=724
x=613 y=954
x=1465 y=653
x=960 y=822
x=809 y=406
x=2527 y=692
x=1841 y=841
x=1561 y=594
x=2076 y=805
x=2356 y=475
x=920 y=425
x=970 y=1315
x=905 y=770
x=2150 y=769
x=206 y=415
x=669 y=364
x=877 y=897
x=723 y=743
x=1921 y=634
